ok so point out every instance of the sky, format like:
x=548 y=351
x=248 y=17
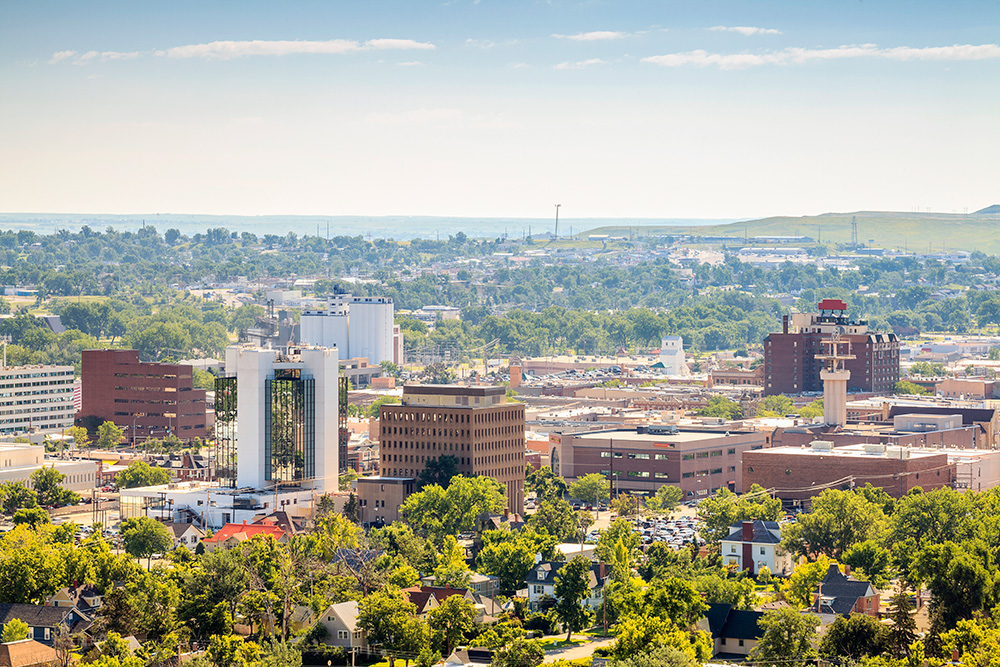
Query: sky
x=626 y=108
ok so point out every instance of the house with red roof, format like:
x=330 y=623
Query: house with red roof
x=234 y=533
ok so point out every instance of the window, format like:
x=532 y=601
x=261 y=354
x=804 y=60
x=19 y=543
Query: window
x=605 y=455
x=638 y=456
x=717 y=452
x=716 y=471
x=763 y=551
x=688 y=457
x=539 y=590
x=731 y=450
x=732 y=548
x=702 y=455
x=661 y=457
x=662 y=475
x=687 y=475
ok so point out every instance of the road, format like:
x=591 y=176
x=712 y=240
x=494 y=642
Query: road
x=575 y=652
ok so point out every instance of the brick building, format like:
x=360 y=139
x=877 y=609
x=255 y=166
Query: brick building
x=642 y=459
x=474 y=424
x=796 y=474
x=790 y=364
x=151 y=399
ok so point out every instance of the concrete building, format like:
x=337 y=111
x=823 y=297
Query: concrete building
x=285 y=425
x=35 y=398
x=474 y=424
x=151 y=400
x=792 y=358
x=379 y=498
x=967 y=388
x=672 y=355
x=19 y=460
x=642 y=459
x=359 y=326
x=796 y=474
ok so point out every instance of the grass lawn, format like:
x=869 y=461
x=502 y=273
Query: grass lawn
x=554 y=644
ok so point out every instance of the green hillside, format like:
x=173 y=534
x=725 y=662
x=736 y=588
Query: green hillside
x=910 y=231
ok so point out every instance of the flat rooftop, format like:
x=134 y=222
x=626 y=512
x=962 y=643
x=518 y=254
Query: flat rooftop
x=631 y=435
x=452 y=390
x=850 y=451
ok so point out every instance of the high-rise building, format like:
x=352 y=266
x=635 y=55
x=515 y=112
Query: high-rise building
x=151 y=399
x=358 y=326
x=793 y=358
x=285 y=427
x=35 y=397
x=473 y=424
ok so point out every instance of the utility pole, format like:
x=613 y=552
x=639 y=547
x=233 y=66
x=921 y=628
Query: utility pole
x=557 y=221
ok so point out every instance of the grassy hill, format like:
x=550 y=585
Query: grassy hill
x=911 y=231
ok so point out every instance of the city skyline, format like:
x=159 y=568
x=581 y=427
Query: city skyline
x=640 y=109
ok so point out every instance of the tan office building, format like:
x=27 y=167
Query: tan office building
x=474 y=424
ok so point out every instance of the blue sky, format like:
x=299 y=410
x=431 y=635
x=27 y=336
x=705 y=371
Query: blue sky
x=631 y=109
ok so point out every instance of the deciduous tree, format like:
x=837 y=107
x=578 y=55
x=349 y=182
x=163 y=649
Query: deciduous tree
x=571 y=590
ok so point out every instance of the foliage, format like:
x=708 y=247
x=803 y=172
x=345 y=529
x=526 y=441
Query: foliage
x=658 y=656
x=14 y=631
x=837 y=521
x=545 y=483
x=436 y=512
x=555 y=517
x=32 y=516
x=452 y=622
x=591 y=488
x=666 y=498
x=855 y=636
x=903 y=630
x=374 y=408
x=909 y=388
x=725 y=508
x=788 y=637
x=572 y=588
x=800 y=587
x=142 y=537
x=720 y=406
x=520 y=652
x=109 y=435
x=46 y=482
x=439 y=470
x=511 y=555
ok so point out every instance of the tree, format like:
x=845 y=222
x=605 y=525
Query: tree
x=15 y=496
x=572 y=587
x=141 y=473
x=555 y=517
x=788 y=637
x=46 y=481
x=905 y=387
x=351 y=512
x=384 y=617
x=959 y=579
x=720 y=406
x=436 y=512
x=591 y=488
x=511 y=555
x=81 y=439
x=232 y=651
x=142 y=537
x=903 y=630
x=774 y=406
x=619 y=535
x=451 y=569
x=545 y=483
x=14 y=631
x=109 y=435
x=837 y=521
x=32 y=516
x=625 y=505
x=800 y=587
x=452 y=621
x=666 y=498
x=374 y=408
x=658 y=656
x=855 y=636
x=439 y=470
x=719 y=512
x=520 y=652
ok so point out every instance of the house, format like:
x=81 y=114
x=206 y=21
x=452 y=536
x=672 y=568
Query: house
x=44 y=621
x=484 y=584
x=471 y=657
x=427 y=598
x=234 y=533
x=541 y=583
x=186 y=534
x=341 y=624
x=840 y=594
x=85 y=598
x=734 y=631
x=753 y=545
x=26 y=653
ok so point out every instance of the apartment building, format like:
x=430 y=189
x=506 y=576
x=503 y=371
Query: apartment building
x=35 y=398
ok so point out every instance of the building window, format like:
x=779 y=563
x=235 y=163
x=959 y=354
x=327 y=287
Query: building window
x=687 y=475
x=732 y=548
x=688 y=457
x=763 y=551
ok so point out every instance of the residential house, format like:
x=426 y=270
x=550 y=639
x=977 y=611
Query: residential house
x=541 y=584
x=186 y=534
x=85 y=598
x=27 y=653
x=840 y=594
x=44 y=621
x=484 y=584
x=471 y=657
x=341 y=624
x=754 y=545
x=234 y=533
x=734 y=631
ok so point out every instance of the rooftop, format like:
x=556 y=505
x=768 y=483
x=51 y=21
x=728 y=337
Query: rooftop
x=453 y=390
x=630 y=434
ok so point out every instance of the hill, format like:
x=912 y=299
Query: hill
x=885 y=229
x=989 y=210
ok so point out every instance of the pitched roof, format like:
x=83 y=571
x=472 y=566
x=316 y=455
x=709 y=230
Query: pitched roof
x=545 y=573
x=724 y=621
x=419 y=595
x=346 y=612
x=25 y=653
x=763 y=532
x=245 y=531
x=35 y=615
x=839 y=593
x=180 y=528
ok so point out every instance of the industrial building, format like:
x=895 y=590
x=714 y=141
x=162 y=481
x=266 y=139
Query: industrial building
x=358 y=326
x=35 y=398
x=642 y=459
x=150 y=400
x=474 y=424
x=793 y=358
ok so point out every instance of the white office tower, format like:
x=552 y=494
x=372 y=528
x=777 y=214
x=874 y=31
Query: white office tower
x=359 y=326
x=286 y=418
x=672 y=355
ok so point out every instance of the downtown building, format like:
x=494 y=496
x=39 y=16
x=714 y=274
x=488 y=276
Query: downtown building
x=475 y=425
x=36 y=398
x=792 y=358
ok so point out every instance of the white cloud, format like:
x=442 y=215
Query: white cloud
x=227 y=50
x=412 y=63
x=746 y=30
x=797 y=55
x=580 y=64
x=595 y=36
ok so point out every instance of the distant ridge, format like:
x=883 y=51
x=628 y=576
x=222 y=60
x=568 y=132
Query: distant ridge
x=989 y=210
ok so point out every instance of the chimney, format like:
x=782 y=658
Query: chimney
x=784 y=324
x=603 y=572
x=847 y=570
x=244 y=522
x=954 y=655
x=747 y=531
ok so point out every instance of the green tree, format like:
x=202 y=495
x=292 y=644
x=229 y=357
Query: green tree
x=510 y=555
x=139 y=474
x=903 y=630
x=451 y=569
x=837 y=521
x=452 y=622
x=719 y=512
x=666 y=498
x=436 y=512
x=905 y=387
x=520 y=652
x=555 y=517
x=385 y=617
x=81 y=439
x=232 y=651
x=32 y=516
x=856 y=636
x=591 y=488
x=439 y=470
x=142 y=537
x=545 y=483
x=775 y=406
x=658 y=656
x=720 y=406
x=572 y=588
x=374 y=408
x=800 y=587
x=788 y=637
x=959 y=579
x=619 y=535
x=46 y=481
x=14 y=631
x=16 y=495
x=872 y=561
x=109 y=435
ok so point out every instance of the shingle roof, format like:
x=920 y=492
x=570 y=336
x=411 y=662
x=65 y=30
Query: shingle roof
x=724 y=621
x=763 y=532
x=839 y=593
x=35 y=615
x=550 y=568
x=245 y=531
x=25 y=653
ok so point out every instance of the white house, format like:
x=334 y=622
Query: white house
x=752 y=545
x=541 y=583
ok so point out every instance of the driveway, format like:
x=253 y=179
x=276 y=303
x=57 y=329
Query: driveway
x=579 y=651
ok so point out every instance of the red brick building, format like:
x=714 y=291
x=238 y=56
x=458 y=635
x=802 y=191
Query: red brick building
x=151 y=399
x=790 y=364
